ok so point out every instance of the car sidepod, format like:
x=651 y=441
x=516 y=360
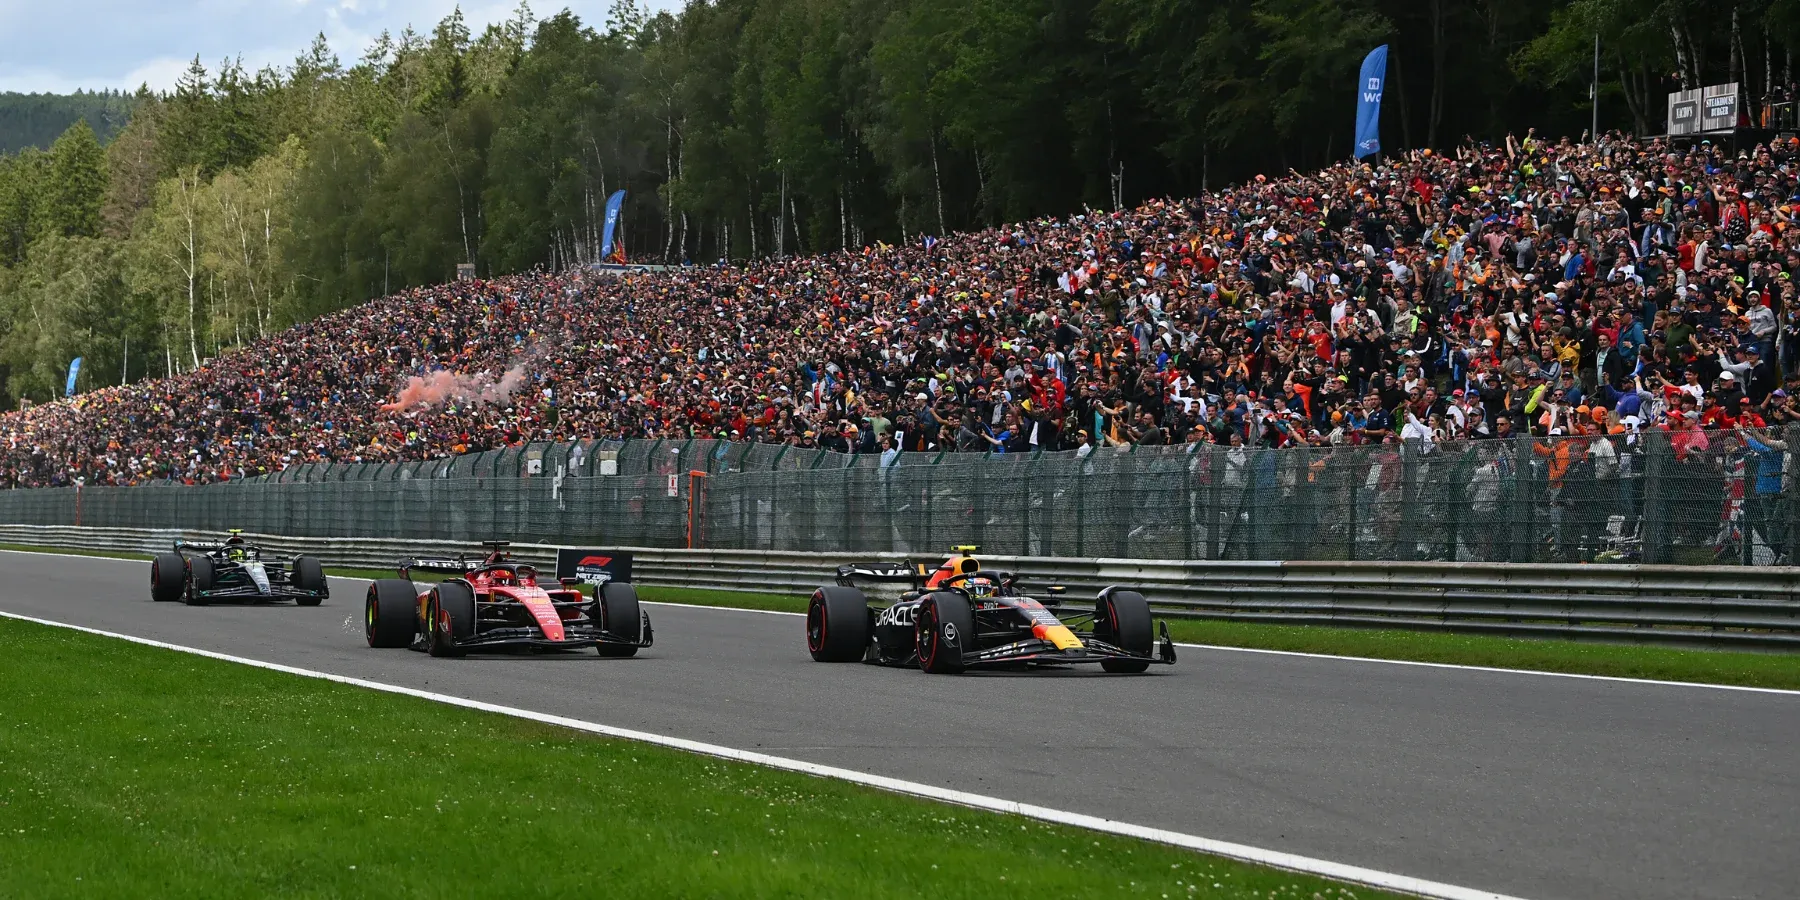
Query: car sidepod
x=896 y=637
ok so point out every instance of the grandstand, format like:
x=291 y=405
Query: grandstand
x=1581 y=293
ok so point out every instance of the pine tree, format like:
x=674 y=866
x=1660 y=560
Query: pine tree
x=77 y=182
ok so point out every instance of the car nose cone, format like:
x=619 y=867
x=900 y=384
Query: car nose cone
x=259 y=575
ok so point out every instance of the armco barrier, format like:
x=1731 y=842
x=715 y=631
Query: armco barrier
x=1706 y=605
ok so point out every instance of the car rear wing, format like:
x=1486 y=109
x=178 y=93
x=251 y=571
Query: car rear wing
x=456 y=565
x=201 y=546
x=903 y=572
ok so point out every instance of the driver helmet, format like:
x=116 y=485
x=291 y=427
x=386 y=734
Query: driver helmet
x=234 y=547
x=979 y=588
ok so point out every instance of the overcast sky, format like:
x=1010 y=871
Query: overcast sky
x=60 y=45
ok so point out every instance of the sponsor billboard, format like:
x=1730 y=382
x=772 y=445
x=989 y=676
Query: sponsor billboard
x=1705 y=111
x=593 y=566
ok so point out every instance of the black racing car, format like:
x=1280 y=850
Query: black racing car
x=957 y=617
x=199 y=572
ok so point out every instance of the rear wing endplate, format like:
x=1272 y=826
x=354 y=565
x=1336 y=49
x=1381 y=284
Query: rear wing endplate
x=446 y=564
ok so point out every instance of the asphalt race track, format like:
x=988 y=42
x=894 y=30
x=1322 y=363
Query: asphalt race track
x=1534 y=786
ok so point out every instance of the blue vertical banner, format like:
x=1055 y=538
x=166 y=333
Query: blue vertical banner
x=74 y=370
x=613 y=204
x=1368 y=102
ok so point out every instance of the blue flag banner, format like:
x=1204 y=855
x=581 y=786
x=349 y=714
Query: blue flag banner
x=613 y=204
x=74 y=370
x=1368 y=102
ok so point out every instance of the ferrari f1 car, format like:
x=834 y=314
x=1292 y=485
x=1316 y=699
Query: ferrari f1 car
x=199 y=572
x=494 y=603
x=956 y=616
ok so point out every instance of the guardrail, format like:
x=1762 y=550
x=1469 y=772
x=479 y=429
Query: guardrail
x=1700 y=605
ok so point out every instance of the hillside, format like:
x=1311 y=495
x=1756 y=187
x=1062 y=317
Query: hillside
x=34 y=120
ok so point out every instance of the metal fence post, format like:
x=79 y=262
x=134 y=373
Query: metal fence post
x=1653 y=540
x=1749 y=507
x=1409 y=492
x=1790 y=507
x=1190 y=471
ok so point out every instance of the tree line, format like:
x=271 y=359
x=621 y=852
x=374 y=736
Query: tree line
x=242 y=201
x=34 y=120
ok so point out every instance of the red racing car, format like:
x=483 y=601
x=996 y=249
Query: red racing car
x=496 y=604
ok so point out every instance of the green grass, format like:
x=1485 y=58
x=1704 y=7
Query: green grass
x=70 y=551
x=1748 y=668
x=134 y=771
x=1624 y=660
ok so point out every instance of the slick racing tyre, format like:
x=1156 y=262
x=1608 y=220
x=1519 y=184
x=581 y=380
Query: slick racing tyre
x=308 y=575
x=1122 y=618
x=199 y=580
x=619 y=618
x=449 y=617
x=391 y=613
x=837 y=624
x=945 y=626
x=168 y=577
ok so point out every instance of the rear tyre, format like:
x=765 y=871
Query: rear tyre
x=449 y=617
x=168 y=577
x=199 y=581
x=391 y=613
x=619 y=618
x=308 y=575
x=1122 y=618
x=837 y=624
x=945 y=626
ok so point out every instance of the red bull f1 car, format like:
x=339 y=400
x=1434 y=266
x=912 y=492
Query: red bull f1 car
x=957 y=616
x=496 y=604
x=200 y=572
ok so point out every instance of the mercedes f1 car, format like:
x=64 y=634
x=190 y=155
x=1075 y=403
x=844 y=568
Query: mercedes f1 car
x=199 y=572
x=956 y=616
x=494 y=603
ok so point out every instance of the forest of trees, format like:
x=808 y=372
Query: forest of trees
x=243 y=201
x=34 y=120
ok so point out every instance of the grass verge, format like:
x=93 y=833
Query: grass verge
x=1734 y=667
x=167 y=774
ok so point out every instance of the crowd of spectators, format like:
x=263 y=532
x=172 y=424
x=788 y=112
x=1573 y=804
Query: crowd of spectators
x=1533 y=287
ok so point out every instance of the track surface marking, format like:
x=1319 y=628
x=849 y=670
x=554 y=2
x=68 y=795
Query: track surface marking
x=1543 y=788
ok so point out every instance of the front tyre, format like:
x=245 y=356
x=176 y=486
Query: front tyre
x=391 y=613
x=168 y=577
x=945 y=628
x=308 y=575
x=620 y=619
x=1122 y=618
x=449 y=618
x=837 y=624
x=201 y=578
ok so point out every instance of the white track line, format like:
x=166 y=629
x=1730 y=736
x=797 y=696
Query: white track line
x=1351 y=659
x=1275 y=858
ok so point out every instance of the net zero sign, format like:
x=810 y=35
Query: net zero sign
x=593 y=566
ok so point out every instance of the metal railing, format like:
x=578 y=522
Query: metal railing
x=1695 y=605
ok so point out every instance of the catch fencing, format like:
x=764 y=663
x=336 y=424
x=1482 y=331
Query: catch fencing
x=1720 y=497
